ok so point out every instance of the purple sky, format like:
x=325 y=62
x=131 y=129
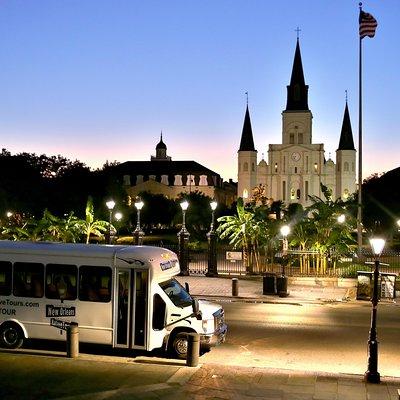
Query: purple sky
x=98 y=80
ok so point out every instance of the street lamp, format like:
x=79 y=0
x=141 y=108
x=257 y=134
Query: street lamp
x=138 y=233
x=372 y=375
x=183 y=237
x=9 y=214
x=110 y=205
x=212 y=245
x=282 y=281
x=118 y=217
x=341 y=218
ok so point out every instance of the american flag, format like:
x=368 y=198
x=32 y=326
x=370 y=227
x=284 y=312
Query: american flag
x=368 y=25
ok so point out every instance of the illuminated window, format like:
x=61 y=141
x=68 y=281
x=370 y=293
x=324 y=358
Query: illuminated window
x=245 y=193
x=276 y=167
x=345 y=193
x=316 y=167
x=292 y=194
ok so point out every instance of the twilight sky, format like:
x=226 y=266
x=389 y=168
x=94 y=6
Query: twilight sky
x=97 y=80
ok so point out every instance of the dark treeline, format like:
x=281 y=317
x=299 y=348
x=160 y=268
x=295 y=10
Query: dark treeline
x=31 y=183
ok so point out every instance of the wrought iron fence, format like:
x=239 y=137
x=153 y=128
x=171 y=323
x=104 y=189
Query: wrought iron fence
x=296 y=264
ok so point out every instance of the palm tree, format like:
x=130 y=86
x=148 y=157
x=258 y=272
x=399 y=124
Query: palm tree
x=326 y=233
x=89 y=226
x=240 y=230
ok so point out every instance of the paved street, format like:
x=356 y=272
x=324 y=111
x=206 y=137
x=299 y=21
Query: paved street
x=314 y=337
x=277 y=349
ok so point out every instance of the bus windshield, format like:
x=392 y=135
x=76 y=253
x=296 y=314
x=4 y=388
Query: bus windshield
x=175 y=291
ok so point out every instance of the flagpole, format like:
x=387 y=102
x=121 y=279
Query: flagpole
x=359 y=203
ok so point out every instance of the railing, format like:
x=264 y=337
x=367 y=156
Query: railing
x=345 y=267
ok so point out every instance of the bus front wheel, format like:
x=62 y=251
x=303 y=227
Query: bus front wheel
x=179 y=345
x=11 y=336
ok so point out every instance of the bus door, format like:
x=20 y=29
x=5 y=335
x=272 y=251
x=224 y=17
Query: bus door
x=131 y=308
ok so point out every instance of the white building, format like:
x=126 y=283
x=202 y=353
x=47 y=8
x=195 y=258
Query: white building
x=296 y=167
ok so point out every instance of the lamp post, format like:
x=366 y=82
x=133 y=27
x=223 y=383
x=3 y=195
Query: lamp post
x=138 y=233
x=110 y=205
x=183 y=238
x=341 y=218
x=212 y=244
x=372 y=375
x=118 y=217
x=282 y=281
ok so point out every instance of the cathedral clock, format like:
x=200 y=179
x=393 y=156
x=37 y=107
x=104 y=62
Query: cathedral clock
x=295 y=156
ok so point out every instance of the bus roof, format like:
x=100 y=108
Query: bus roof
x=124 y=255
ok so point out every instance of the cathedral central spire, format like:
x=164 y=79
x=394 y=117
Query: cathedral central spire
x=297 y=91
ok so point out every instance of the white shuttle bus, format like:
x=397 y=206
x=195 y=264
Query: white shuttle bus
x=124 y=296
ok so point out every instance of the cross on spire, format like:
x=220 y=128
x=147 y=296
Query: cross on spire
x=346 y=95
x=247 y=98
x=297 y=30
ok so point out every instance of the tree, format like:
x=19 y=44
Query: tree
x=90 y=226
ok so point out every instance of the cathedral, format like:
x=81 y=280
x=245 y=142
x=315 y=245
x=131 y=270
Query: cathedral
x=297 y=167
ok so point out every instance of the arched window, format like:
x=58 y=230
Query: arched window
x=292 y=194
x=300 y=138
x=346 y=166
x=276 y=167
x=245 y=167
x=298 y=194
x=245 y=193
x=252 y=167
x=291 y=138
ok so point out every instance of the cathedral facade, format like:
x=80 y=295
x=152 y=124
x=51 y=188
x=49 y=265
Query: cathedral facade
x=296 y=167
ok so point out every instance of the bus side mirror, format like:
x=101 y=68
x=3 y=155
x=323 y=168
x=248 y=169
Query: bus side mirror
x=187 y=287
x=196 y=311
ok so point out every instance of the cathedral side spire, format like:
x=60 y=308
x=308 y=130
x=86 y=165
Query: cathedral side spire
x=246 y=141
x=297 y=91
x=346 y=136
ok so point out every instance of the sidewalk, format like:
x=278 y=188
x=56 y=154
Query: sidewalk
x=251 y=289
x=25 y=375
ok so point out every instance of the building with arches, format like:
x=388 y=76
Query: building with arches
x=296 y=167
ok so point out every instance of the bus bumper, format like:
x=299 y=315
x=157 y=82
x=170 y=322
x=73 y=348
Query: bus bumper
x=210 y=340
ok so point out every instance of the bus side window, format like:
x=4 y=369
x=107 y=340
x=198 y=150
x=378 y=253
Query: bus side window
x=28 y=279
x=159 y=308
x=94 y=283
x=5 y=278
x=61 y=280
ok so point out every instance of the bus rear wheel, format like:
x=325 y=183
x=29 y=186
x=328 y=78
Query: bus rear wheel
x=179 y=346
x=11 y=336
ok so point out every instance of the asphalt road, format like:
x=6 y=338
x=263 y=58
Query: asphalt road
x=328 y=338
